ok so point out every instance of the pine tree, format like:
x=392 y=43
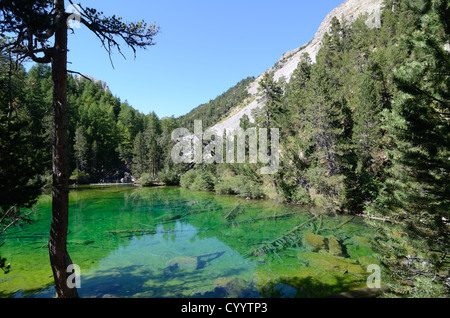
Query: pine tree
x=81 y=149
x=296 y=149
x=21 y=157
x=269 y=115
x=367 y=138
x=125 y=144
x=416 y=196
x=140 y=156
x=270 y=96
x=152 y=135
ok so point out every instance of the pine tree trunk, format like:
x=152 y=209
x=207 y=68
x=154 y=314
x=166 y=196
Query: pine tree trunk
x=59 y=257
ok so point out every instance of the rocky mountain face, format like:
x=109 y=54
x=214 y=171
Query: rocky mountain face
x=90 y=78
x=350 y=10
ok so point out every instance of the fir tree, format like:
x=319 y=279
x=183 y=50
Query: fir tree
x=21 y=157
x=81 y=149
x=416 y=196
x=140 y=153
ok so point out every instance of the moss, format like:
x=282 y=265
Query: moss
x=183 y=262
x=365 y=261
x=314 y=243
x=328 y=262
x=307 y=282
x=359 y=246
x=359 y=240
x=230 y=286
x=334 y=247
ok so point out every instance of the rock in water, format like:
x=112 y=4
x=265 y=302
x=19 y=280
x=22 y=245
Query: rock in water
x=334 y=247
x=314 y=242
x=230 y=286
x=182 y=262
x=317 y=243
x=359 y=246
x=330 y=263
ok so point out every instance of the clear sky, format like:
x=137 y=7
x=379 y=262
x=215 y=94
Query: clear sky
x=204 y=48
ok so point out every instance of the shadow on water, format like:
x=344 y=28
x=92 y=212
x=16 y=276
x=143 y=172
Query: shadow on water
x=309 y=287
x=130 y=282
x=139 y=282
x=46 y=291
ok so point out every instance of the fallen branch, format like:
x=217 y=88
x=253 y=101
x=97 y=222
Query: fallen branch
x=14 y=218
x=371 y=217
x=186 y=215
x=276 y=217
x=343 y=223
x=231 y=215
x=141 y=231
x=131 y=231
x=280 y=242
x=320 y=225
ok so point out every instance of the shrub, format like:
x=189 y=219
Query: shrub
x=145 y=180
x=301 y=196
x=187 y=179
x=169 y=178
x=79 y=177
x=204 y=181
x=239 y=185
x=224 y=187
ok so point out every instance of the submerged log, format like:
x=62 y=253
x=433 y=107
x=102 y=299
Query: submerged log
x=266 y=218
x=132 y=231
x=343 y=223
x=281 y=241
x=231 y=215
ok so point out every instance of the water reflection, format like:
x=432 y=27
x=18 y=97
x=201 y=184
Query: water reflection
x=170 y=263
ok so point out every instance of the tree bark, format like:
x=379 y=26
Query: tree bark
x=59 y=257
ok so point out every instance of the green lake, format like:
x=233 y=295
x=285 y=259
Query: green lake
x=171 y=242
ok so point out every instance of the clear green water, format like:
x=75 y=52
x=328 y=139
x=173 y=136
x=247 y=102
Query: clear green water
x=179 y=243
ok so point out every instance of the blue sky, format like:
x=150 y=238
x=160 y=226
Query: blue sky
x=204 y=48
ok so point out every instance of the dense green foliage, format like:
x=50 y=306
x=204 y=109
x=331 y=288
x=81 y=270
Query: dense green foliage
x=21 y=146
x=106 y=137
x=108 y=140
x=416 y=191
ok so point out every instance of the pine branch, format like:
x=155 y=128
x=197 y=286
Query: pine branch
x=107 y=29
x=82 y=75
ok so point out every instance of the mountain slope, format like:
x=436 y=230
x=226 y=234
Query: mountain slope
x=350 y=10
x=218 y=108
